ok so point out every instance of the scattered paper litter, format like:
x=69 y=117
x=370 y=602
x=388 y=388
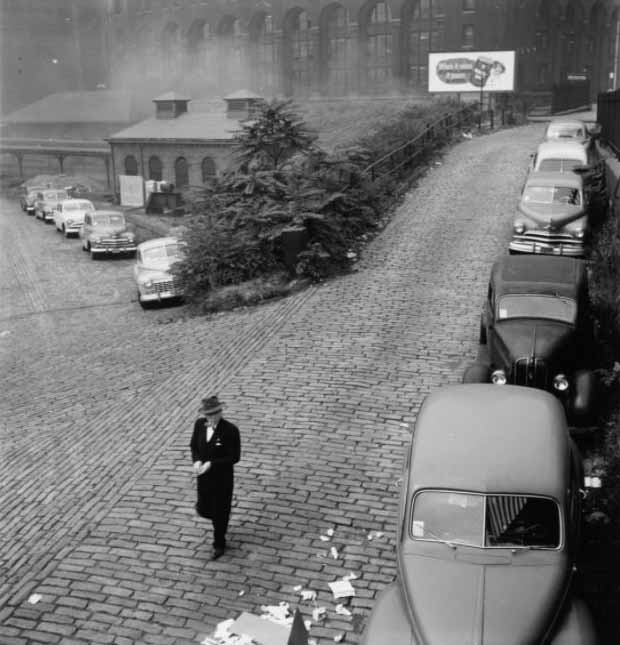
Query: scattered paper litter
x=308 y=594
x=339 y=637
x=375 y=535
x=342 y=610
x=4 y=333
x=324 y=538
x=241 y=592
x=342 y=588
x=350 y=576
x=277 y=613
x=298 y=587
x=330 y=532
x=259 y=630
x=35 y=598
x=318 y=613
x=307 y=624
x=334 y=552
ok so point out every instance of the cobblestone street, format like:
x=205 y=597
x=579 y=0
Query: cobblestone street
x=99 y=399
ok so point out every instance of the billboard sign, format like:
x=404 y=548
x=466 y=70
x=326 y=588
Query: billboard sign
x=492 y=71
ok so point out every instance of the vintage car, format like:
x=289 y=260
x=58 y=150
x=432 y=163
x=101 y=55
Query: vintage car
x=489 y=526
x=552 y=215
x=105 y=232
x=68 y=215
x=154 y=280
x=535 y=331
x=571 y=129
x=28 y=197
x=559 y=156
x=46 y=201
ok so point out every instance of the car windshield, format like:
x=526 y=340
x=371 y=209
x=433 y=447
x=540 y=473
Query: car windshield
x=537 y=306
x=55 y=195
x=79 y=206
x=551 y=195
x=479 y=520
x=108 y=220
x=565 y=132
x=170 y=252
x=559 y=165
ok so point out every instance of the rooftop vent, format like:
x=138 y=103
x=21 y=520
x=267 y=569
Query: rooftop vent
x=170 y=105
x=242 y=105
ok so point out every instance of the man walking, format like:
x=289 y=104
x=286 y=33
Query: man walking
x=215 y=447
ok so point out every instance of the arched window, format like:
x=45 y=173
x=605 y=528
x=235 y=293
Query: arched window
x=155 y=168
x=209 y=170
x=425 y=25
x=299 y=43
x=181 y=172
x=230 y=54
x=264 y=59
x=378 y=46
x=339 y=49
x=131 y=165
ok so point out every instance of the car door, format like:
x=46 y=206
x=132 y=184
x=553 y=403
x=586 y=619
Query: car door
x=84 y=230
x=57 y=216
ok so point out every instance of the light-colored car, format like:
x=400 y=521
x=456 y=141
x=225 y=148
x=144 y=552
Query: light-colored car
x=154 y=280
x=552 y=215
x=46 y=201
x=69 y=215
x=105 y=232
x=559 y=156
x=28 y=197
x=571 y=129
x=489 y=525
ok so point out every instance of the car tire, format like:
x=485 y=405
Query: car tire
x=476 y=373
x=64 y=231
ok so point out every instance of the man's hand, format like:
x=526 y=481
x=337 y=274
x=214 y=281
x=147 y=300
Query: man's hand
x=200 y=468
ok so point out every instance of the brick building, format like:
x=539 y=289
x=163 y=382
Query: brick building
x=181 y=145
x=353 y=46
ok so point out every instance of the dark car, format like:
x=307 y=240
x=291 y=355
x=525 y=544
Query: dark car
x=489 y=526
x=535 y=331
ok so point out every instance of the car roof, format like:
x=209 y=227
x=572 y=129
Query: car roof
x=157 y=241
x=562 y=149
x=108 y=212
x=567 y=121
x=538 y=274
x=569 y=179
x=490 y=438
x=75 y=199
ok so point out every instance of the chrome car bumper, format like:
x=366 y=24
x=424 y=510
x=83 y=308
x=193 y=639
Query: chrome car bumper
x=158 y=291
x=113 y=249
x=573 y=248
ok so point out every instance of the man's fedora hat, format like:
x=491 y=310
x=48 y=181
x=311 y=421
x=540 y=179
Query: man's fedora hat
x=211 y=405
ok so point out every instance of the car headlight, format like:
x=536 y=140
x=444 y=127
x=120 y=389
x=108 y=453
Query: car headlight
x=498 y=377
x=519 y=228
x=560 y=383
x=579 y=233
x=69 y=222
x=96 y=239
x=148 y=283
x=130 y=236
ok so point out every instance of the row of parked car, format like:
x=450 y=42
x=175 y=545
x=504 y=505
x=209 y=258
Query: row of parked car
x=490 y=509
x=105 y=233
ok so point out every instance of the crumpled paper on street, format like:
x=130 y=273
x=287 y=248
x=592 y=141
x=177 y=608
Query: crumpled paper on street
x=342 y=588
x=307 y=594
x=277 y=613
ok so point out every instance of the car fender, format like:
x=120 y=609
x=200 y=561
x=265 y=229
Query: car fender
x=389 y=621
x=576 y=626
x=477 y=373
x=582 y=404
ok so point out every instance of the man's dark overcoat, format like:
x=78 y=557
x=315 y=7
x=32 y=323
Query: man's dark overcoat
x=215 y=487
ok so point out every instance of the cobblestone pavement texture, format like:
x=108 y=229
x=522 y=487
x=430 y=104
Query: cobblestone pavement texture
x=99 y=397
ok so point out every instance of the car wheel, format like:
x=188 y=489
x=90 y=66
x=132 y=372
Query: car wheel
x=64 y=231
x=482 y=337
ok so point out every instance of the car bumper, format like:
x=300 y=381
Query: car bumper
x=571 y=249
x=48 y=217
x=113 y=250
x=30 y=210
x=74 y=228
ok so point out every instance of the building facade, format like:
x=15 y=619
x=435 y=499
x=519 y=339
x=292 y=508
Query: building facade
x=322 y=47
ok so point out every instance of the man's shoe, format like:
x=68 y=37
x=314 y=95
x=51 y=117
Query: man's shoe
x=217 y=553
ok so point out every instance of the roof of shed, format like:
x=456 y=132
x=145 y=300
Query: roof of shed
x=198 y=126
x=97 y=106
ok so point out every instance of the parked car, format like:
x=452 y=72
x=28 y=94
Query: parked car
x=105 y=232
x=567 y=128
x=154 y=280
x=69 y=215
x=559 y=156
x=552 y=216
x=46 y=201
x=489 y=526
x=28 y=197
x=537 y=331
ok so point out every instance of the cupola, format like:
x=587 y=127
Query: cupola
x=242 y=104
x=170 y=105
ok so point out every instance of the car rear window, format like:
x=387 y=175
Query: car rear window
x=478 y=520
x=537 y=306
x=169 y=252
x=565 y=132
x=108 y=220
x=551 y=195
x=558 y=165
x=78 y=206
